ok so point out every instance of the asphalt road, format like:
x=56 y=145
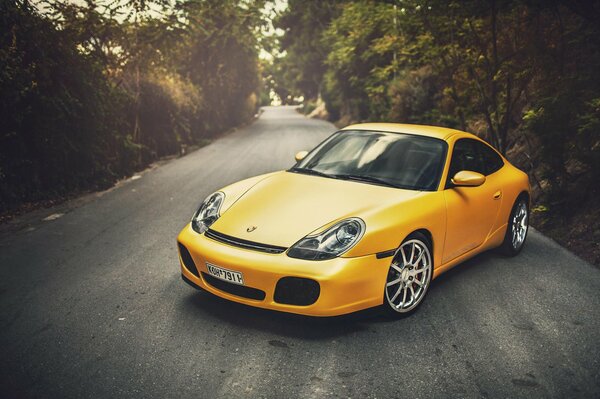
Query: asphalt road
x=92 y=305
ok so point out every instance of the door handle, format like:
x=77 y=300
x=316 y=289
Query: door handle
x=498 y=195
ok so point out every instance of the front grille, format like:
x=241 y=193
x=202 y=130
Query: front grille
x=188 y=262
x=297 y=291
x=234 y=289
x=238 y=242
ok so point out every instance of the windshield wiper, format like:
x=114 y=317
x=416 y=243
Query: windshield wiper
x=367 y=179
x=313 y=172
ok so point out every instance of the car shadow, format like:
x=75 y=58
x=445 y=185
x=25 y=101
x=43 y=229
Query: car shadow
x=478 y=261
x=207 y=306
x=210 y=308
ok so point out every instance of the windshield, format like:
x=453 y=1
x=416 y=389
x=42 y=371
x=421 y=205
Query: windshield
x=392 y=159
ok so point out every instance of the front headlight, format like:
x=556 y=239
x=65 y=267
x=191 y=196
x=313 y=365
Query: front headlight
x=331 y=243
x=208 y=213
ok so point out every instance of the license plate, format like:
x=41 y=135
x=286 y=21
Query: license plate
x=224 y=274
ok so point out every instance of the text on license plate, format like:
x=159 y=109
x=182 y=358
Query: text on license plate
x=224 y=274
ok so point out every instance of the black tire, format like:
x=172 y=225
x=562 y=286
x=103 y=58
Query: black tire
x=511 y=246
x=421 y=255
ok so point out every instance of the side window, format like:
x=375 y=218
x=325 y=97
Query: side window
x=465 y=156
x=492 y=161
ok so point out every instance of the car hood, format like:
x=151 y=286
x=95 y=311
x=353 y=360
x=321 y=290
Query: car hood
x=284 y=207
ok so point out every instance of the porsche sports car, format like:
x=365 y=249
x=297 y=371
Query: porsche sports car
x=367 y=218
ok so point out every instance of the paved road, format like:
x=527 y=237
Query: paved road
x=92 y=305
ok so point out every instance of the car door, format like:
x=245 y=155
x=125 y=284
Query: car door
x=471 y=211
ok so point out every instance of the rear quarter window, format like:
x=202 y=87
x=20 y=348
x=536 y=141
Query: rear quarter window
x=492 y=161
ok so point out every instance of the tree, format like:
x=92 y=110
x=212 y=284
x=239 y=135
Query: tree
x=303 y=24
x=94 y=91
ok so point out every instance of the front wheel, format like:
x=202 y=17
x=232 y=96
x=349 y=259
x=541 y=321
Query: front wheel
x=516 y=231
x=409 y=276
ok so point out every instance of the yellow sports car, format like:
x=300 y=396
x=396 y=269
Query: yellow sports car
x=367 y=218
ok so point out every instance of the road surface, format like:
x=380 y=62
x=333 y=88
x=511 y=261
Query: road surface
x=92 y=306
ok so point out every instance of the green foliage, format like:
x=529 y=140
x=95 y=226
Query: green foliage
x=220 y=55
x=564 y=114
x=300 y=72
x=359 y=51
x=414 y=98
x=53 y=98
x=498 y=68
x=93 y=92
x=309 y=106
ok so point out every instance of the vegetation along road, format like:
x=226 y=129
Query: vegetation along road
x=92 y=305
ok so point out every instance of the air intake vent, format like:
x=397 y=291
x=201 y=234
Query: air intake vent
x=297 y=291
x=238 y=242
x=234 y=289
x=188 y=262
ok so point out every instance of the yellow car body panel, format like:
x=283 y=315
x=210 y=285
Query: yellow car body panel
x=283 y=207
x=301 y=204
x=442 y=133
x=345 y=287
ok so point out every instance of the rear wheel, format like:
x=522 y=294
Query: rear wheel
x=516 y=231
x=409 y=276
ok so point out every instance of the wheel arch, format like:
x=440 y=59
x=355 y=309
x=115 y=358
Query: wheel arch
x=426 y=233
x=524 y=194
x=429 y=237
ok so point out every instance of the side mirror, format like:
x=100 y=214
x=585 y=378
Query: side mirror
x=467 y=178
x=301 y=155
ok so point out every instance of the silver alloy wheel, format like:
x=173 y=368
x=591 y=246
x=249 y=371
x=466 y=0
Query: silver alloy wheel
x=409 y=276
x=519 y=225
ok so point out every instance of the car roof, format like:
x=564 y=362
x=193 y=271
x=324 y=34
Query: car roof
x=442 y=133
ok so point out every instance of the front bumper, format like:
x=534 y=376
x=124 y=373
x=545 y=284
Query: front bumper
x=346 y=284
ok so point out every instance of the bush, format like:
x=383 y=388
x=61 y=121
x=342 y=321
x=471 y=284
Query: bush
x=58 y=112
x=86 y=99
